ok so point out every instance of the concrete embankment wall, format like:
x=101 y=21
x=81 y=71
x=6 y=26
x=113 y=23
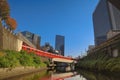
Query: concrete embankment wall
x=9 y=40
x=6 y=73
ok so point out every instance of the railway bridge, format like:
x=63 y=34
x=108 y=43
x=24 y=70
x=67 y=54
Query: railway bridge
x=56 y=61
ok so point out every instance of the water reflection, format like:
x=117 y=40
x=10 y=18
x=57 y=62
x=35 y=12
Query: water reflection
x=99 y=76
x=67 y=76
x=80 y=75
x=42 y=75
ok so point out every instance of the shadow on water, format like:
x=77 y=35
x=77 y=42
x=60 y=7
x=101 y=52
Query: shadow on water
x=79 y=75
x=99 y=75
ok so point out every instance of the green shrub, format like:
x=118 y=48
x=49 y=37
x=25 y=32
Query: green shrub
x=4 y=62
x=9 y=60
x=22 y=58
x=100 y=62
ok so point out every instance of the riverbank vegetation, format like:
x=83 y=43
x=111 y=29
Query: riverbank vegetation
x=90 y=75
x=11 y=59
x=100 y=62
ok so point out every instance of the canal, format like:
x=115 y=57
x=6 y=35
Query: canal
x=80 y=75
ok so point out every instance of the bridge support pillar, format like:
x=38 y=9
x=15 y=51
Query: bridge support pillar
x=72 y=66
x=63 y=67
x=61 y=64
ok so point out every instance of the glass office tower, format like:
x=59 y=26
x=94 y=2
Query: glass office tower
x=33 y=38
x=106 y=17
x=59 y=44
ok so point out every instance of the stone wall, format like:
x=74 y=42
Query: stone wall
x=8 y=40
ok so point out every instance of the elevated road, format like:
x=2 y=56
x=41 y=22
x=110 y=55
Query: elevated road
x=54 y=57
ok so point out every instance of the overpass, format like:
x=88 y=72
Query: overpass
x=54 y=57
x=58 y=61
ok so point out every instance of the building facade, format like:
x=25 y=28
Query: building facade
x=33 y=38
x=106 y=17
x=60 y=44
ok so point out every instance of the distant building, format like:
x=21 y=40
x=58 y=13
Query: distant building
x=59 y=44
x=106 y=17
x=33 y=38
x=47 y=48
x=90 y=47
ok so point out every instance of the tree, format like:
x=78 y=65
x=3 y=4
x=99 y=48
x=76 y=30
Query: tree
x=5 y=15
x=4 y=9
x=11 y=23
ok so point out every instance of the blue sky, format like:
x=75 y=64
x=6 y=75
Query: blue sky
x=47 y=18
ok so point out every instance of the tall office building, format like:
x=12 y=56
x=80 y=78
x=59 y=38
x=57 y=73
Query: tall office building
x=33 y=38
x=59 y=44
x=106 y=17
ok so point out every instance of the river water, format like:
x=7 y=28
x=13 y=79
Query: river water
x=79 y=75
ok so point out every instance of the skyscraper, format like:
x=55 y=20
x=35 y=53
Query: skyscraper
x=59 y=44
x=106 y=17
x=33 y=38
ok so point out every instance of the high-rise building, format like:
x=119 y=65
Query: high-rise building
x=106 y=17
x=59 y=44
x=33 y=38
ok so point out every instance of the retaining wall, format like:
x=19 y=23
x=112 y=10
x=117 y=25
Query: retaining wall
x=8 y=40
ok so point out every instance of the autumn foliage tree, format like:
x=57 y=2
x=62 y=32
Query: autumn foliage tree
x=11 y=23
x=4 y=9
x=5 y=15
